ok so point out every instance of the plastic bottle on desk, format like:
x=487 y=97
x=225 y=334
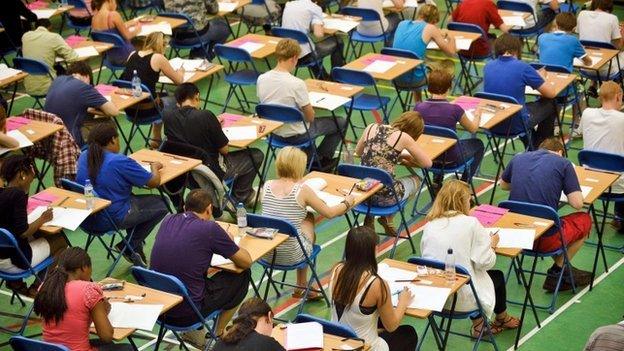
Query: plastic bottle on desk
x=88 y=194
x=241 y=218
x=136 y=85
x=449 y=267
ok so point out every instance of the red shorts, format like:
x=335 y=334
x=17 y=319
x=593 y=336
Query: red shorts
x=576 y=226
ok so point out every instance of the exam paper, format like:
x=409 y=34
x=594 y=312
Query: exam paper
x=379 y=66
x=327 y=101
x=163 y=27
x=316 y=184
x=392 y=274
x=241 y=133
x=515 y=21
x=304 y=336
x=425 y=297
x=6 y=72
x=579 y=62
x=134 y=315
x=68 y=218
x=515 y=238
x=87 y=51
x=189 y=65
x=227 y=6
x=21 y=139
x=218 y=260
x=585 y=190
x=166 y=80
x=329 y=199
x=251 y=46
x=45 y=13
x=485 y=116
x=340 y=25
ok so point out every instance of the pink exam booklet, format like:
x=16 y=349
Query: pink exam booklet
x=379 y=57
x=105 y=89
x=41 y=199
x=16 y=123
x=488 y=214
x=37 y=5
x=467 y=103
x=74 y=40
x=228 y=119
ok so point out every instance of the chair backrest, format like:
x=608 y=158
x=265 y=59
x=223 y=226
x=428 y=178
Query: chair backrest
x=279 y=113
x=294 y=34
x=338 y=329
x=597 y=44
x=72 y=186
x=399 y=52
x=189 y=25
x=535 y=210
x=110 y=38
x=31 y=66
x=466 y=27
x=518 y=123
x=351 y=76
x=262 y=221
x=550 y=68
x=366 y=14
x=446 y=133
x=361 y=172
x=601 y=160
x=7 y=241
x=231 y=53
x=79 y=4
x=21 y=343
x=514 y=6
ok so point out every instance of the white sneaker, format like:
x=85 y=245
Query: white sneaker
x=576 y=133
x=197 y=338
x=556 y=131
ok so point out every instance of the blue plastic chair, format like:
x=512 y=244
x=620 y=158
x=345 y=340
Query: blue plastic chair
x=470 y=78
x=545 y=212
x=7 y=241
x=309 y=260
x=137 y=121
x=485 y=334
x=118 y=46
x=76 y=26
x=21 y=343
x=237 y=73
x=251 y=24
x=525 y=33
x=368 y=209
x=175 y=43
x=172 y=285
x=356 y=38
x=596 y=75
x=362 y=102
x=34 y=67
x=333 y=328
x=405 y=83
x=99 y=225
x=303 y=39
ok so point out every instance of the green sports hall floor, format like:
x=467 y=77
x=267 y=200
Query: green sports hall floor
x=567 y=329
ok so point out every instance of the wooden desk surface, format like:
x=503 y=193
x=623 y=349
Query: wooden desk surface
x=69 y=199
x=508 y=13
x=403 y=65
x=265 y=127
x=256 y=247
x=99 y=46
x=198 y=75
x=331 y=31
x=267 y=50
x=434 y=146
x=437 y=280
x=59 y=10
x=606 y=55
x=240 y=3
x=337 y=185
x=37 y=130
x=518 y=221
x=152 y=297
x=458 y=35
x=122 y=101
x=560 y=81
x=339 y=89
x=173 y=22
x=504 y=111
x=10 y=80
x=330 y=342
x=599 y=181
x=173 y=165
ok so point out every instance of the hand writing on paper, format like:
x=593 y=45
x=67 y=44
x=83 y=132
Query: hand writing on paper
x=405 y=297
x=156 y=166
x=494 y=239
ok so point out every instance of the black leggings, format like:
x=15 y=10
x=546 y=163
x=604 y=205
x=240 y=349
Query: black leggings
x=403 y=338
x=500 y=290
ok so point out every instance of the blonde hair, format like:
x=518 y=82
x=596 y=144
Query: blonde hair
x=453 y=199
x=287 y=49
x=411 y=123
x=155 y=42
x=429 y=13
x=291 y=163
x=609 y=90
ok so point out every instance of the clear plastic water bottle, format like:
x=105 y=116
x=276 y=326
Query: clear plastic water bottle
x=449 y=267
x=348 y=154
x=88 y=193
x=136 y=84
x=241 y=218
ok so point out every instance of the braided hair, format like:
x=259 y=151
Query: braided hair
x=246 y=320
x=15 y=165
x=100 y=136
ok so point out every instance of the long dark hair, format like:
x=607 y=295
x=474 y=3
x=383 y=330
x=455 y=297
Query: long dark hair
x=13 y=165
x=359 y=259
x=50 y=301
x=247 y=319
x=100 y=136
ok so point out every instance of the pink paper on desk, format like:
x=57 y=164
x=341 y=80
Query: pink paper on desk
x=16 y=123
x=228 y=119
x=467 y=103
x=378 y=57
x=41 y=199
x=74 y=40
x=488 y=214
x=39 y=4
x=239 y=42
x=105 y=89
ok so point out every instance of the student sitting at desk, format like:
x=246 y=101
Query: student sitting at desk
x=362 y=300
x=388 y=23
x=11 y=14
x=414 y=36
x=251 y=330
x=69 y=301
x=302 y=15
x=255 y=14
x=45 y=46
x=437 y=111
x=381 y=146
x=508 y=75
x=543 y=14
x=539 y=177
x=279 y=86
x=149 y=62
x=199 y=237
x=484 y=14
x=18 y=173
x=5 y=140
x=603 y=129
x=72 y=95
x=451 y=227
x=187 y=124
x=107 y=19
x=288 y=198
x=113 y=175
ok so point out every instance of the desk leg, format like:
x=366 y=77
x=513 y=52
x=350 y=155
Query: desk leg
x=66 y=238
x=270 y=276
x=599 y=244
x=12 y=98
x=527 y=299
x=501 y=159
x=436 y=331
x=132 y=343
x=210 y=81
x=450 y=319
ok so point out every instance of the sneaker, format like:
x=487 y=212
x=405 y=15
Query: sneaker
x=581 y=277
x=126 y=254
x=576 y=133
x=592 y=91
x=551 y=281
x=137 y=258
x=556 y=131
x=197 y=338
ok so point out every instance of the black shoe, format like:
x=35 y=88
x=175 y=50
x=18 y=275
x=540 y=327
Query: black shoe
x=551 y=281
x=581 y=277
x=327 y=164
x=137 y=260
x=141 y=254
x=592 y=91
x=126 y=253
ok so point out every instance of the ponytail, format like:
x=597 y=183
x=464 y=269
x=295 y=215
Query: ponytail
x=100 y=136
x=246 y=321
x=50 y=301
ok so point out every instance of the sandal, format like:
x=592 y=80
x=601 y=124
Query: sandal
x=509 y=322
x=475 y=330
x=312 y=295
x=387 y=226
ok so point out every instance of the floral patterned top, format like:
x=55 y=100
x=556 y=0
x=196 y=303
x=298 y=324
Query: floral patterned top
x=378 y=153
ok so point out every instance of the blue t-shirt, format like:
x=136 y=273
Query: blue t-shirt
x=118 y=174
x=69 y=98
x=509 y=76
x=408 y=36
x=539 y=177
x=559 y=48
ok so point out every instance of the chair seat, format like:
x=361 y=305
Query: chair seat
x=379 y=210
x=25 y=274
x=369 y=39
x=194 y=326
x=368 y=102
x=457 y=314
x=316 y=249
x=276 y=142
x=176 y=45
x=244 y=77
x=533 y=253
x=142 y=121
x=526 y=33
x=452 y=168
